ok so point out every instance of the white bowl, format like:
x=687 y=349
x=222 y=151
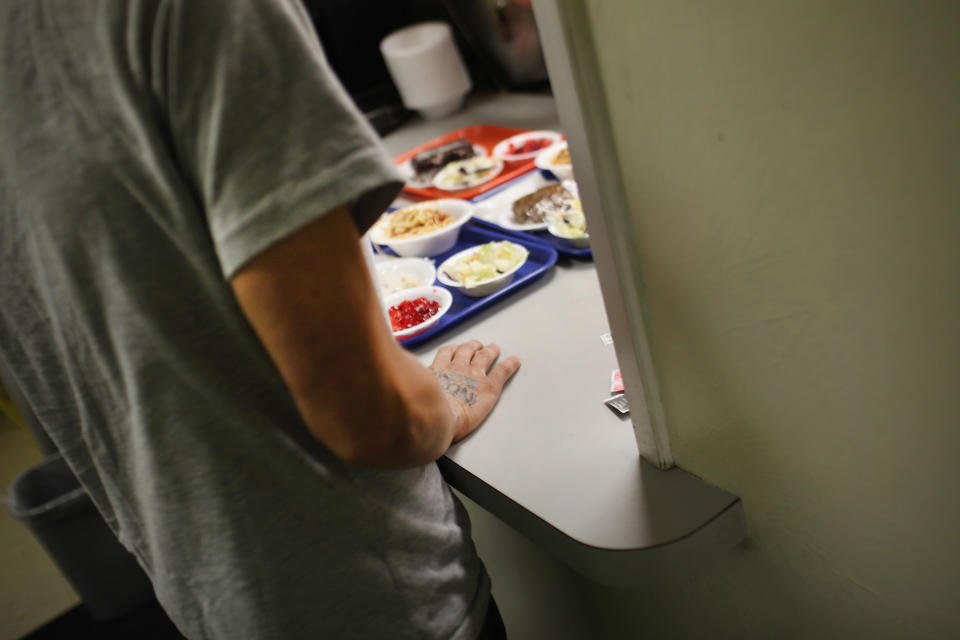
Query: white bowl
x=437 y=294
x=481 y=288
x=545 y=161
x=502 y=148
x=418 y=272
x=428 y=244
x=581 y=242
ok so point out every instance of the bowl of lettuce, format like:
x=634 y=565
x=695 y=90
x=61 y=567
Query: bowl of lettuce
x=569 y=222
x=482 y=269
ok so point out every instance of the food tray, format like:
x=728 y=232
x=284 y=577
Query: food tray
x=496 y=200
x=540 y=260
x=484 y=135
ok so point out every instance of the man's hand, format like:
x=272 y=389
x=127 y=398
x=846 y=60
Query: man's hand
x=470 y=385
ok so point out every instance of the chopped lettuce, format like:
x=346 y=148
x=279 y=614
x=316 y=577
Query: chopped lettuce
x=487 y=262
x=570 y=223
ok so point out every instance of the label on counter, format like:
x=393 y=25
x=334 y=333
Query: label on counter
x=616 y=381
x=619 y=404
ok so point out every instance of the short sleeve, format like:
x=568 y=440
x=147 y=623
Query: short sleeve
x=262 y=127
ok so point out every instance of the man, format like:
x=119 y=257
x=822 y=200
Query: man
x=184 y=301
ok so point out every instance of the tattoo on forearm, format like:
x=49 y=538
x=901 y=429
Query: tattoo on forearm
x=461 y=387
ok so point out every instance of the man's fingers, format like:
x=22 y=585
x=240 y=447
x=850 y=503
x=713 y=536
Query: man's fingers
x=485 y=357
x=504 y=370
x=443 y=357
x=464 y=353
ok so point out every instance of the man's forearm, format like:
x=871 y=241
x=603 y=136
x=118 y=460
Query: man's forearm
x=310 y=299
x=394 y=417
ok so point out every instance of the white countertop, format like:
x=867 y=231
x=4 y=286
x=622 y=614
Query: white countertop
x=552 y=460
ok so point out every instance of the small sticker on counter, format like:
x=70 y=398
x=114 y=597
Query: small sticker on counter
x=606 y=339
x=619 y=404
x=616 y=381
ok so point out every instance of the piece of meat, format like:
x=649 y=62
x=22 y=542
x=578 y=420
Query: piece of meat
x=532 y=208
x=427 y=163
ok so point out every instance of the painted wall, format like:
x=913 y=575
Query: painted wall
x=793 y=175
x=32 y=589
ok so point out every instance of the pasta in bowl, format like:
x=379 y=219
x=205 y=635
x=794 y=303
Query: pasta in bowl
x=423 y=229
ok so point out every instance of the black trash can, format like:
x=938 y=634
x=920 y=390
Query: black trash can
x=49 y=499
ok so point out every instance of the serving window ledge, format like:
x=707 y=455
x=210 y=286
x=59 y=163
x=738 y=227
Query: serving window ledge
x=552 y=461
x=675 y=544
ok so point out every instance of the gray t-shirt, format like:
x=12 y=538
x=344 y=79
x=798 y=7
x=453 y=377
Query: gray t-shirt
x=148 y=149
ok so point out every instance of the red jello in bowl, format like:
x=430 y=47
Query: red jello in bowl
x=526 y=145
x=413 y=311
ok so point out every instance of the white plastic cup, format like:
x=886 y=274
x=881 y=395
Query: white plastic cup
x=426 y=66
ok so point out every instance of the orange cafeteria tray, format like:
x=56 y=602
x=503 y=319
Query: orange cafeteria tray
x=485 y=135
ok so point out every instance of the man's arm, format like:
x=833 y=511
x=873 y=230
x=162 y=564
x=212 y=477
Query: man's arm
x=310 y=299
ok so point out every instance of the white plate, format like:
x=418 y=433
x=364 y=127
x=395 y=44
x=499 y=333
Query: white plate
x=502 y=148
x=507 y=221
x=452 y=170
x=502 y=214
x=492 y=207
x=481 y=288
x=498 y=209
x=411 y=178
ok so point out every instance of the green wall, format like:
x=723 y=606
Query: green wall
x=793 y=177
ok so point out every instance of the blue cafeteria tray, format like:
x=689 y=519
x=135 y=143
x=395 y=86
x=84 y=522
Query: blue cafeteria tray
x=540 y=259
x=543 y=237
